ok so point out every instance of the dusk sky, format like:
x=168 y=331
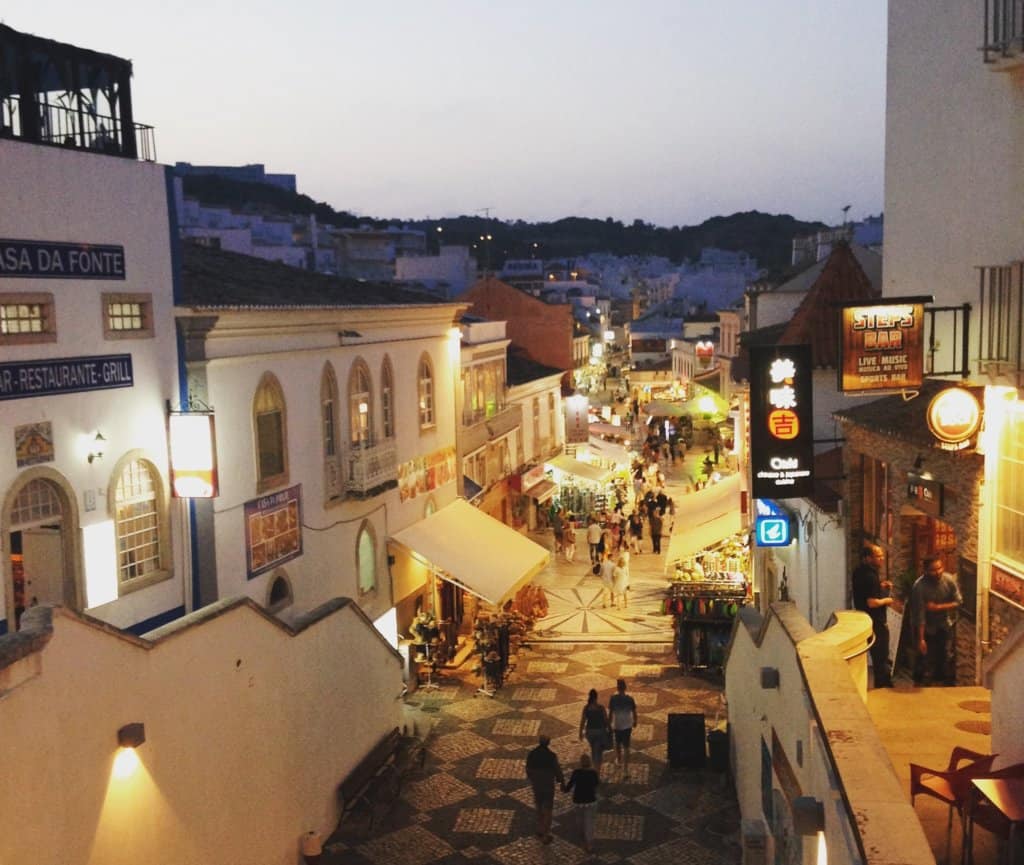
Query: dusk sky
x=670 y=111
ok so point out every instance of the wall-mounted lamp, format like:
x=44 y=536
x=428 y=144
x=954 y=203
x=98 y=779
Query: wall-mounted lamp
x=808 y=815
x=99 y=445
x=131 y=735
x=193 y=449
x=918 y=462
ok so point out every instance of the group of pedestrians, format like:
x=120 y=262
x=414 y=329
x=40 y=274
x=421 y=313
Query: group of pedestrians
x=602 y=728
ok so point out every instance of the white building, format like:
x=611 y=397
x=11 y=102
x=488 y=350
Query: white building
x=449 y=273
x=88 y=367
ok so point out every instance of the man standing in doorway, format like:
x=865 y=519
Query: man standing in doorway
x=543 y=770
x=622 y=709
x=934 y=601
x=871 y=595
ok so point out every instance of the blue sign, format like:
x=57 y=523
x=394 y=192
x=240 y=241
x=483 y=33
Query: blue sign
x=773 y=531
x=25 y=378
x=45 y=260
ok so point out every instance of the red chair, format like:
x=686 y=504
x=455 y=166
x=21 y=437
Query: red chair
x=951 y=785
x=981 y=812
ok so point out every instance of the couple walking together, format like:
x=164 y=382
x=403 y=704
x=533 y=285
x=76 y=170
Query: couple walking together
x=614 y=725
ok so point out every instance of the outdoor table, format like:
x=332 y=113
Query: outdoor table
x=1007 y=795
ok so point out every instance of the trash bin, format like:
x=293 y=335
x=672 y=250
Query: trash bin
x=718 y=750
x=686 y=748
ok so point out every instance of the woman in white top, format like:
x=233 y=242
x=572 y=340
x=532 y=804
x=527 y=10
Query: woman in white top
x=620 y=579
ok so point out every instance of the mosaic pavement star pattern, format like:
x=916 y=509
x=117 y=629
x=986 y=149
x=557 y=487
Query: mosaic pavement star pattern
x=472 y=804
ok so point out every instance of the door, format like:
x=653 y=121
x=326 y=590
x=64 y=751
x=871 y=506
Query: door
x=42 y=550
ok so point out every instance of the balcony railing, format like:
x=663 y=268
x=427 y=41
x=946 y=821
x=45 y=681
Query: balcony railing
x=79 y=130
x=1001 y=310
x=1004 y=33
x=371 y=466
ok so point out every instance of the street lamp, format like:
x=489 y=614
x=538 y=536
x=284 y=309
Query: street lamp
x=440 y=232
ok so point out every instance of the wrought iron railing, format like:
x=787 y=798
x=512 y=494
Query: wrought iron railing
x=80 y=130
x=1001 y=310
x=371 y=466
x=1004 y=30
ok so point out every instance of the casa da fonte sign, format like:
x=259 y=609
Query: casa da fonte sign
x=40 y=259
x=881 y=345
x=781 y=421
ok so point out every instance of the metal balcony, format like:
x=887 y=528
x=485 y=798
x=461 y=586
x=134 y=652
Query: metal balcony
x=1004 y=34
x=1001 y=310
x=481 y=430
x=371 y=467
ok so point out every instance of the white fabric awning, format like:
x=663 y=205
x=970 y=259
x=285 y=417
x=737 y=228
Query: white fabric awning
x=703 y=518
x=474 y=550
x=609 y=451
x=571 y=466
x=542 y=491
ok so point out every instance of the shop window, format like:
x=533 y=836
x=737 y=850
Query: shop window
x=270 y=428
x=329 y=432
x=127 y=316
x=366 y=559
x=426 y=392
x=1009 y=516
x=27 y=318
x=140 y=525
x=360 y=405
x=551 y=418
x=387 y=399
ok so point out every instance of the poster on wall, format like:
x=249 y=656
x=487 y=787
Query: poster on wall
x=273 y=530
x=577 y=420
x=881 y=345
x=426 y=473
x=781 y=422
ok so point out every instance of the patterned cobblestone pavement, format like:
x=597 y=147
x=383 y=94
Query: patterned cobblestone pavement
x=471 y=802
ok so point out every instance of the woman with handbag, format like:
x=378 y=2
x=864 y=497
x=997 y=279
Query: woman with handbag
x=595 y=728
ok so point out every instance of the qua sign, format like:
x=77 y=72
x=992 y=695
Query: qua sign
x=781 y=422
x=881 y=345
x=954 y=416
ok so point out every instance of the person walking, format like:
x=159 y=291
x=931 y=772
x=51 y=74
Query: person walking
x=636 y=529
x=583 y=785
x=608 y=579
x=934 y=600
x=557 y=528
x=594 y=728
x=622 y=709
x=620 y=579
x=543 y=771
x=656 y=524
x=569 y=538
x=871 y=595
x=594 y=539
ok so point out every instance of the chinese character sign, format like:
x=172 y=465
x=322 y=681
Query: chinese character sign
x=781 y=421
x=882 y=346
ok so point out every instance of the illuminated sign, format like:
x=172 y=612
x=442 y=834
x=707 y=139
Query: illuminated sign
x=781 y=421
x=954 y=415
x=705 y=353
x=881 y=345
x=773 y=526
x=24 y=378
x=577 y=422
x=193 y=455
x=926 y=494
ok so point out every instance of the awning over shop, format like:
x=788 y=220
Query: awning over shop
x=586 y=471
x=542 y=491
x=703 y=518
x=474 y=550
x=609 y=451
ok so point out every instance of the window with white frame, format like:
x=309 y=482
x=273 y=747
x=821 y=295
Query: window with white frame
x=127 y=316
x=27 y=318
x=329 y=432
x=366 y=559
x=387 y=399
x=1009 y=511
x=139 y=525
x=360 y=405
x=426 y=392
x=271 y=433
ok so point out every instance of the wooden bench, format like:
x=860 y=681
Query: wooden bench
x=363 y=783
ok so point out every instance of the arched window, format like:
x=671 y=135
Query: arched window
x=329 y=432
x=366 y=559
x=360 y=405
x=426 y=392
x=140 y=525
x=270 y=427
x=387 y=399
x=279 y=595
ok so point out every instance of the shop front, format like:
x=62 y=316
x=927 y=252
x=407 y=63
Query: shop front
x=471 y=565
x=536 y=491
x=583 y=488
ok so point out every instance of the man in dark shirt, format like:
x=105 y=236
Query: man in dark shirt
x=871 y=595
x=543 y=771
x=934 y=601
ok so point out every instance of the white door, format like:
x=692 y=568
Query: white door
x=42 y=550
